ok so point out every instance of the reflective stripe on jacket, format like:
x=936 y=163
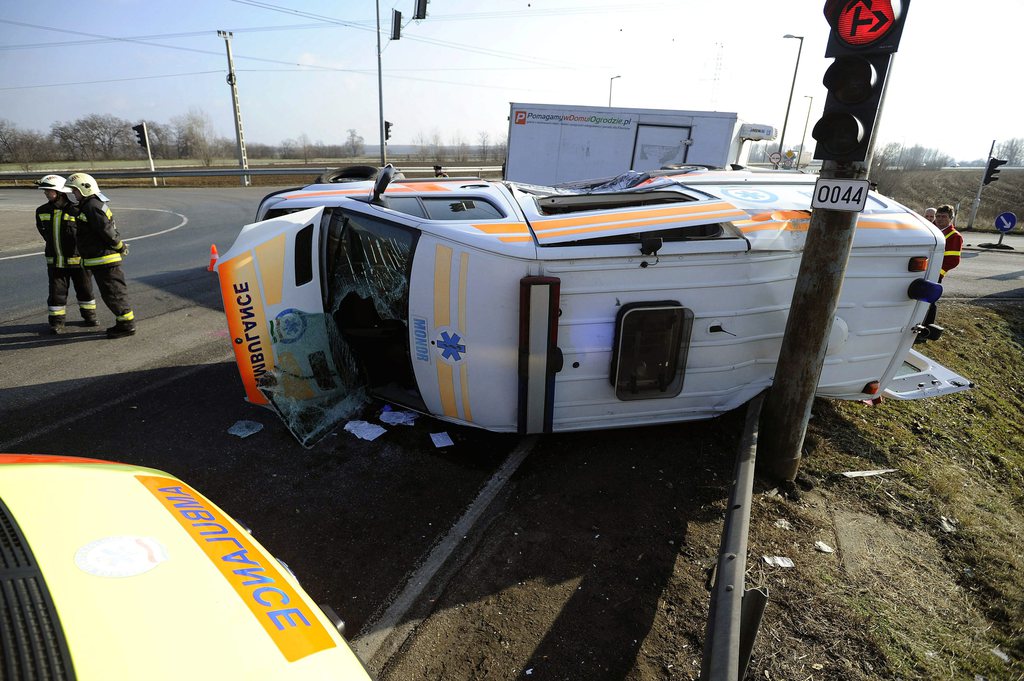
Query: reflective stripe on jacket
x=57 y=227
x=954 y=246
x=98 y=240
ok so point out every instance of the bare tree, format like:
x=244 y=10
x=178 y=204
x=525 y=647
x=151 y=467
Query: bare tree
x=1012 y=150
x=485 y=141
x=459 y=147
x=161 y=140
x=422 y=150
x=501 y=150
x=9 y=134
x=436 y=145
x=354 y=144
x=305 y=147
x=288 y=148
x=195 y=134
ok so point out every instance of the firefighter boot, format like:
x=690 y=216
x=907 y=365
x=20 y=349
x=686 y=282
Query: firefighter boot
x=121 y=329
x=56 y=325
x=89 y=318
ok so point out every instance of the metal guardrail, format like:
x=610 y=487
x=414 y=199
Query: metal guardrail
x=428 y=171
x=735 y=613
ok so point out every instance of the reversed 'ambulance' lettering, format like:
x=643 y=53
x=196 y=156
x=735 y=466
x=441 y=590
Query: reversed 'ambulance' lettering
x=295 y=630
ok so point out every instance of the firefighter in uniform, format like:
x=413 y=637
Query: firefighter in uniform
x=951 y=255
x=102 y=251
x=55 y=221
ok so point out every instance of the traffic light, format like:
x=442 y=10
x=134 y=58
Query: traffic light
x=387 y=130
x=140 y=133
x=992 y=170
x=420 y=12
x=864 y=35
x=396 y=24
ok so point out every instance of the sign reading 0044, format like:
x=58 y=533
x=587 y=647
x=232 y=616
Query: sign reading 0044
x=846 y=195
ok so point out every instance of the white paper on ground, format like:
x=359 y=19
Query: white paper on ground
x=364 y=430
x=245 y=428
x=441 y=440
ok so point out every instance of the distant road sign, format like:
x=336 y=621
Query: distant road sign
x=775 y=157
x=846 y=195
x=1006 y=221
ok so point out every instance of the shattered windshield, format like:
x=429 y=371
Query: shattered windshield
x=358 y=348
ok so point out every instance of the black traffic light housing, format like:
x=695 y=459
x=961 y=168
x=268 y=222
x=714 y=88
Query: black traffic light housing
x=420 y=11
x=992 y=170
x=140 y=133
x=396 y=24
x=864 y=35
x=855 y=85
x=387 y=130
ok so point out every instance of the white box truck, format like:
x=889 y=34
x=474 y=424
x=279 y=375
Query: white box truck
x=553 y=143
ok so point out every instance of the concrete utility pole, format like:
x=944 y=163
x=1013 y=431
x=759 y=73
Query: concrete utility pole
x=815 y=298
x=243 y=160
x=863 y=48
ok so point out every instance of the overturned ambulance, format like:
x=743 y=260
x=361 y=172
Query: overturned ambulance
x=649 y=298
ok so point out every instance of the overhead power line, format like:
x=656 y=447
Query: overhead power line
x=110 y=80
x=428 y=41
x=158 y=36
x=174 y=47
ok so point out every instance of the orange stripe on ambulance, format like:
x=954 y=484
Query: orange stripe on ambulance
x=272 y=600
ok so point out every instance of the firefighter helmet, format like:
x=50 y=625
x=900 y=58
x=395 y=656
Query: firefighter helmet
x=54 y=182
x=83 y=183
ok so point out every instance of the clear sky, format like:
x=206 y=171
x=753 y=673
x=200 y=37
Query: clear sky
x=310 y=67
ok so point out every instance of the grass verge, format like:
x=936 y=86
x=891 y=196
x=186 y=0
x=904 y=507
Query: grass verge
x=927 y=580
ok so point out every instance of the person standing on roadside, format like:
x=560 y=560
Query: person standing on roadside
x=55 y=222
x=929 y=215
x=102 y=251
x=954 y=240
x=951 y=254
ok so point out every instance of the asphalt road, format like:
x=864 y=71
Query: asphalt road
x=353 y=519
x=166 y=397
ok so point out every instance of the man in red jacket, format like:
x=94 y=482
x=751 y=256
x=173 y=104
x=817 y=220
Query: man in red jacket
x=954 y=240
x=950 y=257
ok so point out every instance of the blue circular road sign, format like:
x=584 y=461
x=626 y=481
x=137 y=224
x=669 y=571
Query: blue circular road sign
x=1006 y=221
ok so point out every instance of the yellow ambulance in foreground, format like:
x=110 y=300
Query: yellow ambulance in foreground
x=648 y=298
x=113 y=572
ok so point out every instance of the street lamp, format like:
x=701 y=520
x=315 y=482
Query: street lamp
x=785 y=121
x=610 y=81
x=803 y=138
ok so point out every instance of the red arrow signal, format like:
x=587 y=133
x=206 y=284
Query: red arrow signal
x=863 y=22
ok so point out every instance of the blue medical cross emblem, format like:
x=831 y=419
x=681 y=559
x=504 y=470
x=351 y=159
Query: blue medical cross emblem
x=450 y=346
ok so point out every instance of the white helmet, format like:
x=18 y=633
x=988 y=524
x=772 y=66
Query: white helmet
x=54 y=182
x=83 y=183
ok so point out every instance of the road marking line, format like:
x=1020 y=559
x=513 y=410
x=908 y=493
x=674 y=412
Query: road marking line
x=389 y=632
x=184 y=221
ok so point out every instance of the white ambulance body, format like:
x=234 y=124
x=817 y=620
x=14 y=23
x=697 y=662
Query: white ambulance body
x=514 y=307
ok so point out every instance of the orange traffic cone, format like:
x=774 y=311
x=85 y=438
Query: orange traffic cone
x=213 y=257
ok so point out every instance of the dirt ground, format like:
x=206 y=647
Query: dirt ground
x=597 y=564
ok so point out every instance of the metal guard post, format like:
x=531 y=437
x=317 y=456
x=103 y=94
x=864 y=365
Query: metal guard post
x=735 y=615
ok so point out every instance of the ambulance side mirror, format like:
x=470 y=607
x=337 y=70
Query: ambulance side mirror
x=387 y=173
